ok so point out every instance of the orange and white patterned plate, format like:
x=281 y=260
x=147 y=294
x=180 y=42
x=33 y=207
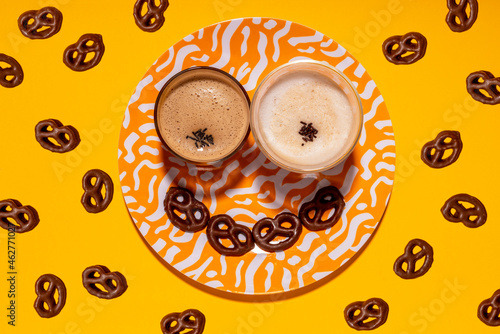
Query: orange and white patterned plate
x=247 y=186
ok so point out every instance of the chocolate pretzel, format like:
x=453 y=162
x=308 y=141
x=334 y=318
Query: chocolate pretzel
x=180 y=201
x=75 y=54
x=454 y=211
x=325 y=199
x=274 y=228
x=489 y=310
x=484 y=80
x=153 y=19
x=223 y=227
x=433 y=151
x=413 y=43
x=93 y=190
x=191 y=319
x=25 y=216
x=459 y=12
x=65 y=138
x=15 y=71
x=46 y=304
x=366 y=315
x=411 y=258
x=114 y=283
x=45 y=23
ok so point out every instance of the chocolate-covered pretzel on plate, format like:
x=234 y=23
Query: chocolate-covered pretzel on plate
x=405 y=49
x=433 y=152
x=457 y=18
x=312 y=213
x=185 y=211
x=190 y=321
x=223 y=227
x=25 y=216
x=483 y=86
x=40 y=24
x=473 y=216
x=12 y=75
x=52 y=135
x=75 y=55
x=274 y=235
x=366 y=315
x=410 y=257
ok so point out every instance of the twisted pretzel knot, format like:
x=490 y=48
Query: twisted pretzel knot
x=101 y=275
x=81 y=47
x=490 y=317
x=17 y=212
x=47 y=296
x=411 y=259
x=439 y=145
x=459 y=11
x=215 y=234
x=375 y=308
x=58 y=133
x=153 y=19
x=325 y=199
x=94 y=191
x=489 y=84
x=463 y=215
x=189 y=206
x=183 y=322
x=14 y=70
x=275 y=229
x=405 y=44
x=41 y=20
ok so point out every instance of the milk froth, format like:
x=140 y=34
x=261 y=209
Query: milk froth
x=308 y=97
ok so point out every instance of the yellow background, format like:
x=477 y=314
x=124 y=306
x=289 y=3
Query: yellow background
x=422 y=98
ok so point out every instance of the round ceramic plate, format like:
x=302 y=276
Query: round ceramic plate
x=247 y=186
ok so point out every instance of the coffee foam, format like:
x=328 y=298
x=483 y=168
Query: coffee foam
x=199 y=103
x=305 y=96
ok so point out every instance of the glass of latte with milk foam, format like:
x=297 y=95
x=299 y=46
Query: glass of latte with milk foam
x=306 y=116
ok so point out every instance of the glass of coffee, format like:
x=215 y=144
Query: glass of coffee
x=202 y=115
x=306 y=116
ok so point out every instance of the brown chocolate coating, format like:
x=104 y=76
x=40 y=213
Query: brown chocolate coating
x=48 y=17
x=433 y=151
x=14 y=70
x=66 y=136
x=183 y=322
x=114 y=283
x=94 y=191
x=88 y=43
x=325 y=199
x=487 y=81
x=230 y=231
x=47 y=296
x=366 y=311
x=454 y=211
x=153 y=19
x=276 y=229
x=459 y=11
x=180 y=201
x=413 y=42
x=490 y=317
x=411 y=259
x=25 y=216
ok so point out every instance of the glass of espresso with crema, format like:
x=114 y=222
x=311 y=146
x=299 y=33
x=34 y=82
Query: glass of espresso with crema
x=306 y=116
x=202 y=115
